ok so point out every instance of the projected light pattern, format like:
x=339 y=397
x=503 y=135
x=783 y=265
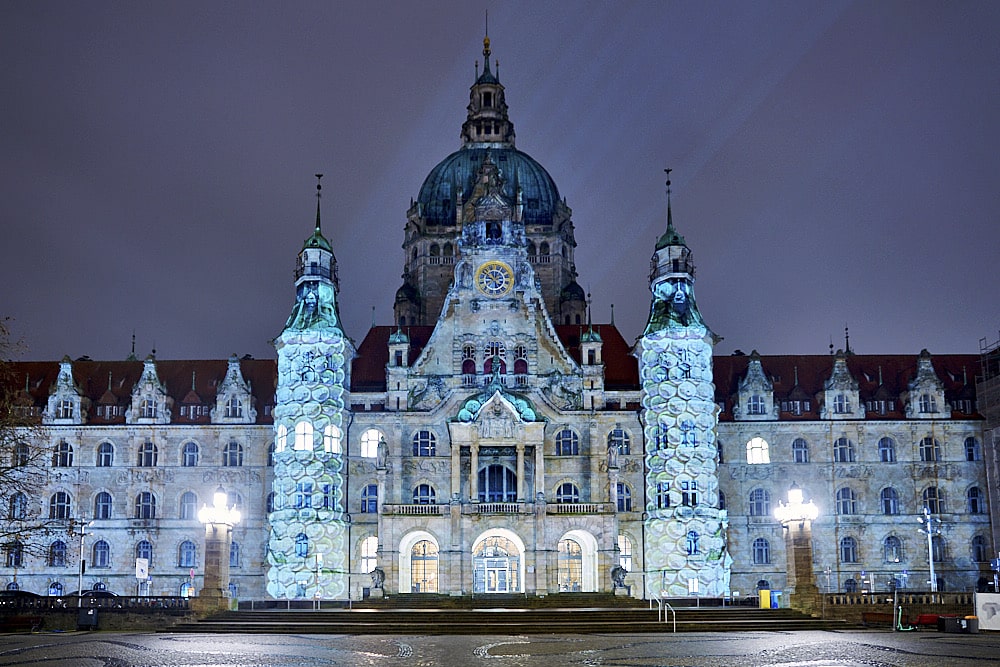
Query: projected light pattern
x=308 y=468
x=685 y=537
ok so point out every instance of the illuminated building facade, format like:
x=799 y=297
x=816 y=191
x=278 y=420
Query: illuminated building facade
x=494 y=440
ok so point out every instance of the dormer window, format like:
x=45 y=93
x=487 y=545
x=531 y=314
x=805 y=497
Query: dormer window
x=755 y=405
x=147 y=409
x=927 y=403
x=841 y=405
x=487 y=99
x=65 y=409
x=234 y=408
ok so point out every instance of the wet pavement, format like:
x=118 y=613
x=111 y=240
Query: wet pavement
x=745 y=649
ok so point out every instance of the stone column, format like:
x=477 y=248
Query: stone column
x=474 y=472
x=802 y=591
x=213 y=597
x=520 y=472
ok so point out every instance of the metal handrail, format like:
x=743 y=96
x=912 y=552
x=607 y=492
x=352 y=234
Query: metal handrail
x=661 y=615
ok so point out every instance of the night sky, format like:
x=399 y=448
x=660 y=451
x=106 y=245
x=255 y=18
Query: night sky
x=834 y=162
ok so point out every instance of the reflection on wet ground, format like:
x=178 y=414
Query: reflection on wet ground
x=788 y=649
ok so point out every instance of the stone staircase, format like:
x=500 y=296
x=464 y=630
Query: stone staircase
x=503 y=615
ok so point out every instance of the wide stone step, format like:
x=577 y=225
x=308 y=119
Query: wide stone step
x=502 y=621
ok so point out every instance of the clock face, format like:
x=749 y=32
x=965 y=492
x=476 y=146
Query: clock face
x=494 y=278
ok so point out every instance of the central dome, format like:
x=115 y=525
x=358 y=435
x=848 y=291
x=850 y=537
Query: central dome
x=454 y=176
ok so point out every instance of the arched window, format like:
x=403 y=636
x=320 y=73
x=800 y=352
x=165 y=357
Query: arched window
x=301 y=545
x=234 y=407
x=624 y=497
x=722 y=500
x=369 y=443
x=62 y=456
x=625 y=552
x=933 y=500
x=145 y=506
x=369 y=553
x=232 y=455
x=234 y=554
x=101 y=554
x=497 y=484
x=424 y=444
x=570 y=566
x=270 y=454
x=848 y=550
x=976 y=501
x=234 y=499
x=567 y=443
x=662 y=495
x=980 y=549
x=938 y=548
x=761 y=551
x=57 y=554
x=331 y=439
x=147 y=455
x=369 y=499
x=189 y=457
x=105 y=455
x=800 y=451
x=14 y=552
x=972 y=450
x=189 y=505
x=143 y=549
x=435 y=250
x=887 y=450
x=892 y=550
x=567 y=493
x=281 y=438
x=424 y=567
x=102 y=505
x=55 y=589
x=448 y=250
x=186 y=554
x=760 y=503
x=757 y=451
x=930 y=450
x=423 y=494
x=304 y=436
x=22 y=454
x=843 y=451
x=850 y=586
x=532 y=249
x=889 y=500
x=18 y=507
x=520 y=360
x=619 y=438
x=846 y=501
x=60 y=506
x=468 y=360
x=763 y=585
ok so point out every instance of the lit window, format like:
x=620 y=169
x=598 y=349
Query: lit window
x=303 y=436
x=281 y=439
x=331 y=439
x=369 y=443
x=757 y=451
x=625 y=553
x=369 y=553
x=567 y=443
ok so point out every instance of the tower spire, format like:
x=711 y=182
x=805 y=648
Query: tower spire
x=319 y=195
x=670 y=217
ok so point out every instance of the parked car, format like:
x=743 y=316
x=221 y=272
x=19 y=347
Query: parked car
x=18 y=598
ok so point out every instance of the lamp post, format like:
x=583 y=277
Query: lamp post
x=82 y=564
x=927 y=526
x=796 y=519
x=219 y=521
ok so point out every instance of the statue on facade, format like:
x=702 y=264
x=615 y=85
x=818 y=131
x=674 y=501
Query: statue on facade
x=618 y=576
x=381 y=454
x=612 y=456
x=378 y=578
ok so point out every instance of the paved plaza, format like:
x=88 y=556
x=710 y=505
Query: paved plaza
x=799 y=649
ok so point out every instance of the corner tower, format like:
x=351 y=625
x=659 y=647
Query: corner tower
x=307 y=547
x=685 y=529
x=435 y=221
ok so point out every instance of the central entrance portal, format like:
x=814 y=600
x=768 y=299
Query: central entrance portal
x=497 y=566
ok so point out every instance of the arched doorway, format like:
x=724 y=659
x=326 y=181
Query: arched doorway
x=418 y=563
x=577 y=562
x=498 y=563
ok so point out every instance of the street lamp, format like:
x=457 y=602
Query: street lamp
x=927 y=526
x=796 y=518
x=219 y=521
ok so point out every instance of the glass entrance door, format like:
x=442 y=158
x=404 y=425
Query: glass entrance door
x=496 y=564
